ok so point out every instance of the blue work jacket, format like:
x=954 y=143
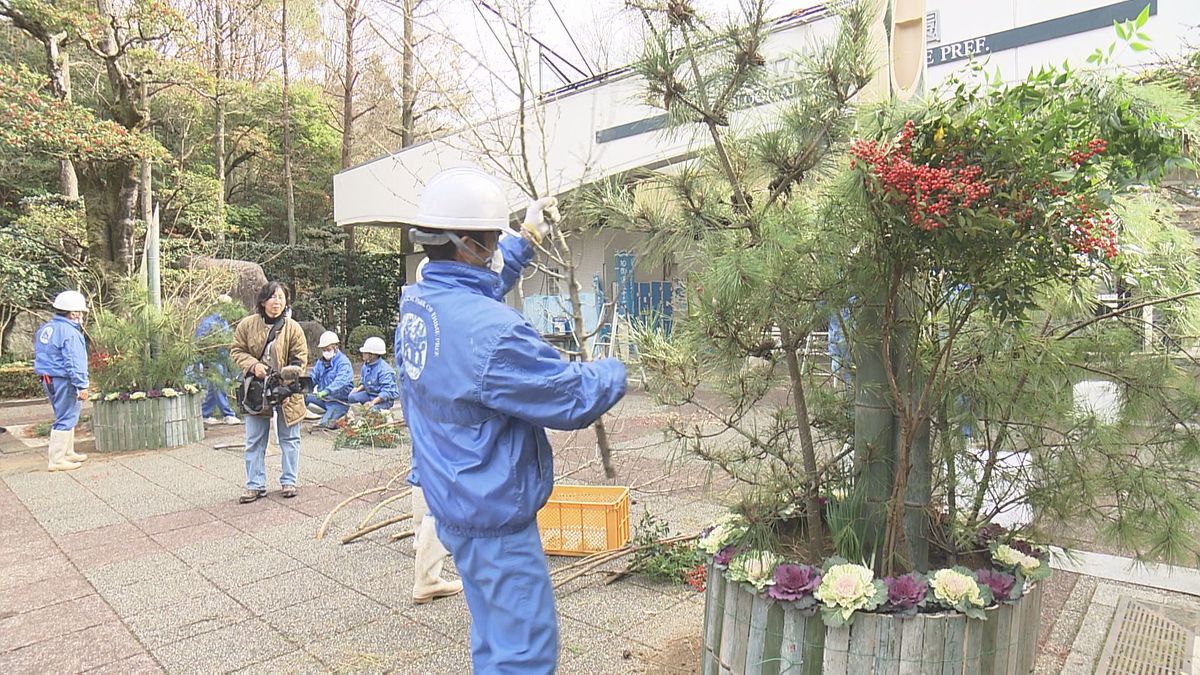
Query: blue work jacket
x=335 y=377
x=379 y=379
x=479 y=387
x=60 y=350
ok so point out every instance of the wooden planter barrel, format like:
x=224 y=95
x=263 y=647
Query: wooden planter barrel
x=147 y=423
x=746 y=632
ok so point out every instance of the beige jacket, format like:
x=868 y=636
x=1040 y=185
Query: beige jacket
x=250 y=337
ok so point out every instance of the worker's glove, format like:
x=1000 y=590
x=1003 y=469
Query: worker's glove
x=540 y=218
x=290 y=374
x=322 y=394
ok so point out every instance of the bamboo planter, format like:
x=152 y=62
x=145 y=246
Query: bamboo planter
x=147 y=423
x=749 y=633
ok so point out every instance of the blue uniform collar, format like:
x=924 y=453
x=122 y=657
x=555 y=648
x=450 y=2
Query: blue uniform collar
x=62 y=319
x=453 y=274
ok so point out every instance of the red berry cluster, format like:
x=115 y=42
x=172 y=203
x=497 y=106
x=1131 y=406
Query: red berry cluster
x=1096 y=146
x=697 y=577
x=98 y=360
x=928 y=192
x=1093 y=234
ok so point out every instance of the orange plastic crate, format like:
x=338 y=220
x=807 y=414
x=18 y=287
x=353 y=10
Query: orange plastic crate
x=581 y=520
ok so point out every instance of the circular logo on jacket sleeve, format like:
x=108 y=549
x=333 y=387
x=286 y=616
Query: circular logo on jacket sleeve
x=44 y=336
x=414 y=345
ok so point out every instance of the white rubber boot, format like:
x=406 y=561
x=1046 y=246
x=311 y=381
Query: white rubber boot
x=58 y=451
x=73 y=456
x=428 y=583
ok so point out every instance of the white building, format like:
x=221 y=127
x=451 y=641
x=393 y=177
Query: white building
x=598 y=128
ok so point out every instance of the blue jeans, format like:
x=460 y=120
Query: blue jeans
x=363 y=397
x=64 y=399
x=216 y=399
x=258 y=431
x=334 y=409
x=514 y=626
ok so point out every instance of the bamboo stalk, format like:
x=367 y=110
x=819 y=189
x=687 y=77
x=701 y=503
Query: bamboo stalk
x=347 y=500
x=611 y=556
x=403 y=535
x=378 y=526
x=403 y=493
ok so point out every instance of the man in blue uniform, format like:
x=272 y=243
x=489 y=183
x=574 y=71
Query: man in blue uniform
x=479 y=387
x=60 y=359
x=215 y=399
x=376 y=379
x=333 y=376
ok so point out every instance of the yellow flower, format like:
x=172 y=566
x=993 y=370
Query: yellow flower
x=1029 y=564
x=848 y=587
x=137 y=396
x=1007 y=555
x=111 y=397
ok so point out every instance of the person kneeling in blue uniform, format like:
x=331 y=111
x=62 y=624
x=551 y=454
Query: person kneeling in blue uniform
x=376 y=381
x=479 y=387
x=333 y=376
x=60 y=359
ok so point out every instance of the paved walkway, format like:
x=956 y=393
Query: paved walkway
x=145 y=563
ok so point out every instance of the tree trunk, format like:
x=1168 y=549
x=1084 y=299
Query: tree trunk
x=58 y=64
x=289 y=192
x=408 y=88
x=816 y=532
x=874 y=453
x=348 y=81
x=219 y=114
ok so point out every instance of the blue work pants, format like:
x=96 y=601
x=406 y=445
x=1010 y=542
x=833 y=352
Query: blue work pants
x=363 y=397
x=258 y=432
x=64 y=398
x=514 y=626
x=334 y=409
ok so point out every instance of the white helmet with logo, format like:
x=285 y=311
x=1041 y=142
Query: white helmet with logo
x=70 y=301
x=328 y=338
x=373 y=345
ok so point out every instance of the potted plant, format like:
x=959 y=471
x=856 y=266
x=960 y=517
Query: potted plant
x=146 y=392
x=959 y=244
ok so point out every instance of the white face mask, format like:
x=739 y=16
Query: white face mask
x=496 y=264
x=329 y=353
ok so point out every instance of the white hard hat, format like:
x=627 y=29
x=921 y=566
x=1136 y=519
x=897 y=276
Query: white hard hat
x=462 y=198
x=328 y=338
x=421 y=269
x=373 y=345
x=70 y=301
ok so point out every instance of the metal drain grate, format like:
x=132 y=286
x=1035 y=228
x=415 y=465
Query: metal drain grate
x=1147 y=639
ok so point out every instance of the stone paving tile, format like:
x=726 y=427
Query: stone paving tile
x=38 y=594
x=266 y=514
x=186 y=618
x=244 y=570
x=584 y=649
x=102 y=556
x=91 y=647
x=623 y=606
x=153 y=568
x=194 y=534
x=225 y=649
x=41 y=548
x=173 y=520
x=1089 y=641
x=108 y=535
x=216 y=550
x=293 y=663
x=326 y=616
x=686 y=617
x=284 y=590
x=145 y=596
x=453 y=659
x=32 y=572
x=142 y=664
x=391 y=642
x=28 y=628
x=395 y=591
x=448 y=616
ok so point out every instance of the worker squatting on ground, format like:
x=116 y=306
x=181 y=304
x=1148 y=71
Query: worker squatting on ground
x=376 y=380
x=60 y=359
x=264 y=343
x=333 y=376
x=431 y=554
x=478 y=387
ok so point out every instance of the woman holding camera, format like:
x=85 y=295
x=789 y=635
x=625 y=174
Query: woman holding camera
x=267 y=344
